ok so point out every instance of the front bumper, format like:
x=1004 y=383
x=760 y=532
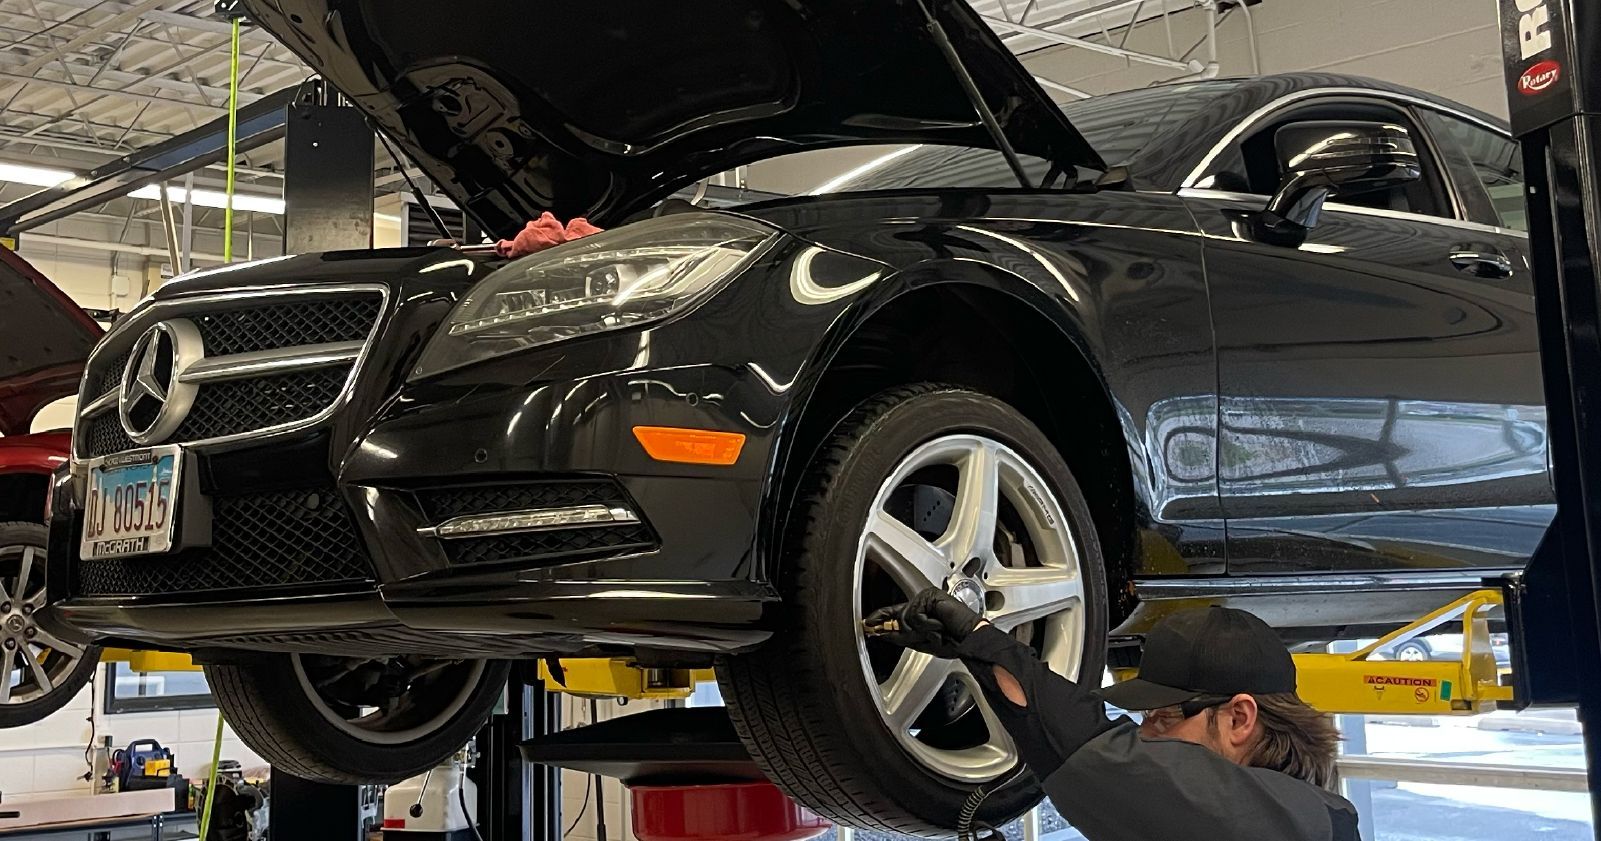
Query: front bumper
x=318 y=534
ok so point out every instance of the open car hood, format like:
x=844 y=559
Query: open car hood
x=600 y=109
x=43 y=344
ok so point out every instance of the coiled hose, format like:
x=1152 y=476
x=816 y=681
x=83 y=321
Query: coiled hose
x=970 y=807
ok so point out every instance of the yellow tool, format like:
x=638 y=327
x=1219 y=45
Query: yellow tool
x=150 y=661
x=621 y=677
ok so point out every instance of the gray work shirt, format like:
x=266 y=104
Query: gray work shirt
x=1112 y=784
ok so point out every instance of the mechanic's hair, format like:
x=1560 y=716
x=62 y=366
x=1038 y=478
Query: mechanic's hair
x=1295 y=739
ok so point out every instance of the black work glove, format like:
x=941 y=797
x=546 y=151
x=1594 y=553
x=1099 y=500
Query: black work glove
x=933 y=622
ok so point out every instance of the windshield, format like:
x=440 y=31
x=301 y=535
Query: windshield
x=1118 y=125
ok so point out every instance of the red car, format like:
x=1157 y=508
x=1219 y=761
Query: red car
x=43 y=345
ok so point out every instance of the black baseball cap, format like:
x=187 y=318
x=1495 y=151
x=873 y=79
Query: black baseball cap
x=1206 y=651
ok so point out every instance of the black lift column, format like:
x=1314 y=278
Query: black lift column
x=1552 y=51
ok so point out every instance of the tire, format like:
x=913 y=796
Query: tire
x=272 y=704
x=803 y=703
x=1413 y=651
x=66 y=666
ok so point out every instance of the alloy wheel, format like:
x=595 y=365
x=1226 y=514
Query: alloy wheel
x=970 y=515
x=33 y=662
x=390 y=700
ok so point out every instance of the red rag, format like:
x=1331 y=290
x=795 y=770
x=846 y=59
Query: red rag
x=542 y=233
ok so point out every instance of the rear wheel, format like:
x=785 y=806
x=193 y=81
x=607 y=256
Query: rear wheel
x=39 y=673
x=356 y=720
x=1412 y=651
x=921 y=486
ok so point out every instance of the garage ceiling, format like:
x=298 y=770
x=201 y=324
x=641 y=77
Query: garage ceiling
x=84 y=81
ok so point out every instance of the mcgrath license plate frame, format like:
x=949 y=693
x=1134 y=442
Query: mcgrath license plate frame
x=142 y=467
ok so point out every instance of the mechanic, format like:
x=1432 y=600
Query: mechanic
x=1226 y=750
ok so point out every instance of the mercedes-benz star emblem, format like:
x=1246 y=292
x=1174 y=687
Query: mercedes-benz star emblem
x=155 y=396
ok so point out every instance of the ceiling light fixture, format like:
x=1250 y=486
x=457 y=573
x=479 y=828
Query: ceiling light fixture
x=212 y=198
x=38 y=176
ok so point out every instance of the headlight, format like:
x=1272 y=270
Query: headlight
x=632 y=275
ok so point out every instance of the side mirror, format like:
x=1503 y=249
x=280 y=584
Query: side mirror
x=1322 y=159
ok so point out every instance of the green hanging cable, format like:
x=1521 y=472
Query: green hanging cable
x=227 y=257
x=211 y=781
x=233 y=139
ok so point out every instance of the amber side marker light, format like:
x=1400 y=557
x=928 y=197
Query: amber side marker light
x=690 y=446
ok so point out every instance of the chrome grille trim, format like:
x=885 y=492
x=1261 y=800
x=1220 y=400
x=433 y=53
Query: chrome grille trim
x=262 y=362
x=122 y=337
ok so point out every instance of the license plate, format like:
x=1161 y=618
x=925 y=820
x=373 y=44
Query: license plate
x=132 y=503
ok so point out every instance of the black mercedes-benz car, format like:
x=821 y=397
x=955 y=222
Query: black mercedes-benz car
x=1263 y=341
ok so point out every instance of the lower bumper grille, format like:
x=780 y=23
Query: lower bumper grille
x=277 y=539
x=554 y=545
x=543 y=547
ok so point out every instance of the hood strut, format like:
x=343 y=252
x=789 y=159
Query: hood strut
x=970 y=88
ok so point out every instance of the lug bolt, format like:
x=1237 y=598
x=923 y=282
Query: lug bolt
x=31 y=632
x=27 y=610
x=5 y=608
x=10 y=643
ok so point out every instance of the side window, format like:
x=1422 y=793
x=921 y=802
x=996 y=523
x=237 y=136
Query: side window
x=1495 y=161
x=1252 y=164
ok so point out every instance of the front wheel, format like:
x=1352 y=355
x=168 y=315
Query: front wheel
x=39 y=673
x=920 y=486
x=354 y=721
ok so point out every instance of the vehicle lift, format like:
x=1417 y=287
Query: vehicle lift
x=689 y=776
x=1552 y=62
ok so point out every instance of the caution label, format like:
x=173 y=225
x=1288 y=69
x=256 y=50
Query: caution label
x=1391 y=680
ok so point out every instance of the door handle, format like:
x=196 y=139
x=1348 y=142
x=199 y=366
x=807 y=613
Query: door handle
x=1482 y=263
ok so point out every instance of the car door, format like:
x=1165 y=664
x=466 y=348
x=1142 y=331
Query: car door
x=1380 y=402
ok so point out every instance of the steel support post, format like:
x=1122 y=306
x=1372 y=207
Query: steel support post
x=1552 y=58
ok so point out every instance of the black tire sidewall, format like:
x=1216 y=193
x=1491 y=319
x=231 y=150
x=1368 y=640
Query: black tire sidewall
x=267 y=706
x=827 y=610
x=20 y=715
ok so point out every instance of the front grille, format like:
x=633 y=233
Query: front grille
x=231 y=407
x=111 y=376
x=536 y=547
x=105 y=435
x=286 y=324
x=265 y=540
x=556 y=545
x=250 y=402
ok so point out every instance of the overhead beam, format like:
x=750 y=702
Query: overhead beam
x=1093 y=46
x=8 y=76
x=17 y=138
x=10 y=64
x=122 y=18
x=1058 y=86
x=174 y=18
x=259 y=123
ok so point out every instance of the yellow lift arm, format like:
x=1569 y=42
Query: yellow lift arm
x=1333 y=683
x=1353 y=683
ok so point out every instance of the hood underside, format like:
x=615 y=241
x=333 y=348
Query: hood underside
x=44 y=341
x=600 y=109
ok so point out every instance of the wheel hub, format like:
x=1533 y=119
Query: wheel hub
x=968 y=591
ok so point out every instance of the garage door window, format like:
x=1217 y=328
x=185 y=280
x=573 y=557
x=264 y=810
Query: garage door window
x=1495 y=159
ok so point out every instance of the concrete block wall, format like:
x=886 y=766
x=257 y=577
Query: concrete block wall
x=46 y=759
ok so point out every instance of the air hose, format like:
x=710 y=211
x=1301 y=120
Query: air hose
x=970 y=807
x=227 y=257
